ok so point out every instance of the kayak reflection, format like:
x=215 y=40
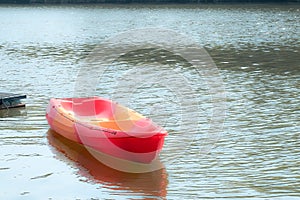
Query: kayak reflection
x=152 y=183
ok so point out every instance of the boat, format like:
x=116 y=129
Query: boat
x=106 y=126
x=10 y=100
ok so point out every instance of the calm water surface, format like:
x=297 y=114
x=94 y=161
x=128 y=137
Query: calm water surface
x=256 y=49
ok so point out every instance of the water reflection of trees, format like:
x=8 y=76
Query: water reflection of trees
x=270 y=58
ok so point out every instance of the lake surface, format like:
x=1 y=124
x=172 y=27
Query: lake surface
x=256 y=144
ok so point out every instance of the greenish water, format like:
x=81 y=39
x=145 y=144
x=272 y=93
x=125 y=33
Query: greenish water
x=256 y=49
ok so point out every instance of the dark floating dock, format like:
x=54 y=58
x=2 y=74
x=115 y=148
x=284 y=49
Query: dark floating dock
x=10 y=100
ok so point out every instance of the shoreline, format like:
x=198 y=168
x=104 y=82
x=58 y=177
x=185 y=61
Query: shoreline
x=145 y=2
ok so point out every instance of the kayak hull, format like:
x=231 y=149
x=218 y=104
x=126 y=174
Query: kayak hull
x=128 y=136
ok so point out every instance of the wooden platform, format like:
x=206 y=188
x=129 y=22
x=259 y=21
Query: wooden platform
x=10 y=100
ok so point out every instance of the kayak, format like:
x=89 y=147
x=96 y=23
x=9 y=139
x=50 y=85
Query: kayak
x=107 y=127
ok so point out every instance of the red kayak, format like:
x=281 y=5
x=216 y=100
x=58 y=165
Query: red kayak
x=106 y=126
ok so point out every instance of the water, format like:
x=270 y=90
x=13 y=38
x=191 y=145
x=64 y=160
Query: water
x=256 y=49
